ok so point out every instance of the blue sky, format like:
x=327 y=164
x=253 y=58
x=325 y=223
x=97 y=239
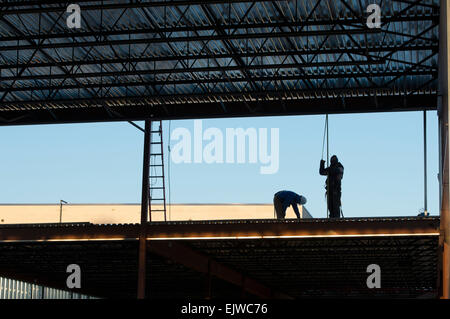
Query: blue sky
x=102 y=163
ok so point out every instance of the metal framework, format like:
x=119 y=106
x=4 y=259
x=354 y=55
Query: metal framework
x=226 y=229
x=214 y=259
x=134 y=60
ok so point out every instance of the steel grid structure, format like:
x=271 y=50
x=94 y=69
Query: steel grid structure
x=214 y=267
x=334 y=267
x=261 y=258
x=134 y=60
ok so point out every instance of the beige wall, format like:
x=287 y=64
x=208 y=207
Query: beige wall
x=130 y=213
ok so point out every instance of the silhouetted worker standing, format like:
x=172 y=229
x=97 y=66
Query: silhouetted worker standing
x=334 y=174
x=283 y=199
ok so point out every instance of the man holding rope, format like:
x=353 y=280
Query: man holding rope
x=334 y=174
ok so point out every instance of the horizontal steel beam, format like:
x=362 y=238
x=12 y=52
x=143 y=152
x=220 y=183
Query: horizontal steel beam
x=229 y=68
x=419 y=3
x=211 y=79
x=266 y=95
x=213 y=106
x=114 y=6
x=294 y=228
x=239 y=229
x=192 y=70
x=307 y=98
x=218 y=55
x=192 y=29
x=237 y=36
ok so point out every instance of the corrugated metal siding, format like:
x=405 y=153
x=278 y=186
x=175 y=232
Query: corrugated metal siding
x=15 y=289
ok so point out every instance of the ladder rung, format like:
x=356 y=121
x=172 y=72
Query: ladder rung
x=155 y=154
x=155 y=131
x=155 y=165
x=156 y=143
x=158 y=210
x=156 y=198
x=156 y=176
x=156 y=187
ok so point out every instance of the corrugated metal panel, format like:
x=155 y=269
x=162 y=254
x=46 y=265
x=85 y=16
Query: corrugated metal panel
x=215 y=53
x=16 y=289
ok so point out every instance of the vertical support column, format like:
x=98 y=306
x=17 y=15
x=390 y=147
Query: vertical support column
x=443 y=105
x=144 y=212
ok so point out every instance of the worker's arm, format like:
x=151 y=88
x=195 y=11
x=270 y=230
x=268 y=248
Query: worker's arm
x=294 y=206
x=337 y=170
x=322 y=169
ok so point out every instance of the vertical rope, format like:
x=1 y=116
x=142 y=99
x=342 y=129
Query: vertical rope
x=326 y=138
x=328 y=165
x=425 y=162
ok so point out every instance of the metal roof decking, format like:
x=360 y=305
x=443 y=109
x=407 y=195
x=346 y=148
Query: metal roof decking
x=283 y=267
x=196 y=59
x=227 y=229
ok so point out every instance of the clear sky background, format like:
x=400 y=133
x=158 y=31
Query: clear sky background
x=102 y=163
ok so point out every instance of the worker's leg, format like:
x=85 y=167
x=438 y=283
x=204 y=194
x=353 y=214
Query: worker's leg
x=297 y=213
x=339 y=204
x=278 y=208
x=334 y=205
x=331 y=205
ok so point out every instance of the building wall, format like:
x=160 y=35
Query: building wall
x=130 y=213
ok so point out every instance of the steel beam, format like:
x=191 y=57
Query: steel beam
x=444 y=119
x=115 y=6
x=194 y=69
x=24 y=7
x=144 y=212
x=231 y=26
x=194 y=56
x=209 y=106
x=212 y=79
x=259 y=35
x=232 y=229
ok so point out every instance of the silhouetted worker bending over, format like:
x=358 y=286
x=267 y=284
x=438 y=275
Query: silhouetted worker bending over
x=283 y=199
x=335 y=172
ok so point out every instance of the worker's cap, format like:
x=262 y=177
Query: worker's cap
x=302 y=200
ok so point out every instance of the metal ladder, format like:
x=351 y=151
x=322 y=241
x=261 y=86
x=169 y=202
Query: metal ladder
x=157 y=186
